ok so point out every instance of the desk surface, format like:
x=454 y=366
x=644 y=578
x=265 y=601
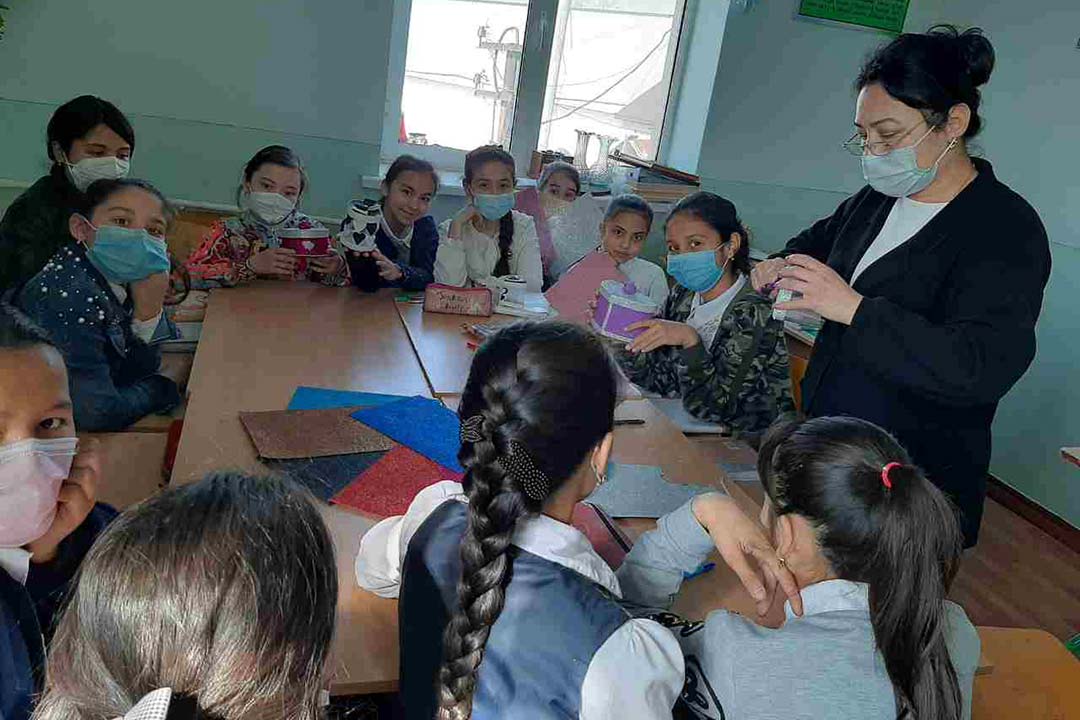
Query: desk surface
x=260 y=342
x=442 y=346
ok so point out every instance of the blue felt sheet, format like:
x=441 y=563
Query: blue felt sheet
x=312 y=398
x=420 y=423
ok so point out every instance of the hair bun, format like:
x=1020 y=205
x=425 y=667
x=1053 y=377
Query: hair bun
x=977 y=54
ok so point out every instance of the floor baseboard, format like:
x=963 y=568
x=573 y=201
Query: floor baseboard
x=1052 y=524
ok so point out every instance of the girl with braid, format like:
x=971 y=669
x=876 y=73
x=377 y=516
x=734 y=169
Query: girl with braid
x=488 y=239
x=506 y=610
x=537 y=417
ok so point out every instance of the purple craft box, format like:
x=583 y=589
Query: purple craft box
x=619 y=305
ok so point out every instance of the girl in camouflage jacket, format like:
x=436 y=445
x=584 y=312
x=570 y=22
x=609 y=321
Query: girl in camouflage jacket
x=716 y=344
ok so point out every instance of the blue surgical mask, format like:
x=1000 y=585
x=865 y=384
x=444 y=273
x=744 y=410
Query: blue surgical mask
x=897 y=173
x=494 y=207
x=124 y=255
x=696 y=271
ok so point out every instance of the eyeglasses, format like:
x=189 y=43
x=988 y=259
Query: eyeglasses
x=857 y=145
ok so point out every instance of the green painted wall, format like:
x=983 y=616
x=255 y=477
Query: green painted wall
x=783 y=103
x=206 y=84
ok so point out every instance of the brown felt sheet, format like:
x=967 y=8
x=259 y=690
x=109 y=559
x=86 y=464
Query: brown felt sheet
x=292 y=434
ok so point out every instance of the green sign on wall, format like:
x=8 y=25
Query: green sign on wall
x=885 y=15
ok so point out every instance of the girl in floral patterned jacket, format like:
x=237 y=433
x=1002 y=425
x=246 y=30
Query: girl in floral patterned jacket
x=239 y=249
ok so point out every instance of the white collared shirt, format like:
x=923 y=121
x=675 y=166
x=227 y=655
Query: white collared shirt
x=16 y=563
x=637 y=674
x=705 y=317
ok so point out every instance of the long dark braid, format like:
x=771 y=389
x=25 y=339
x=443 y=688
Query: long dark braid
x=545 y=390
x=473 y=161
x=506 y=239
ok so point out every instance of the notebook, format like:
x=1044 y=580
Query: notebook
x=571 y=295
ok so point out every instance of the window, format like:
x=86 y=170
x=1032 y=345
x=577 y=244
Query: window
x=461 y=72
x=610 y=73
x=529 y=74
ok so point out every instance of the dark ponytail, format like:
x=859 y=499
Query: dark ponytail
x=545 y=396
x=894 y=531
x=473 y=161
x=934 y=71
x=719 y=214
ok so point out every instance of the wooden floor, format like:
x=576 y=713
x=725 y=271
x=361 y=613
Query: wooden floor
x=1017 y=576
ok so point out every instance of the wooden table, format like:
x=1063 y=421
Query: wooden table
x=442 y=346
x=259 y=343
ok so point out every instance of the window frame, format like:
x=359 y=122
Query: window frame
x=532 y=85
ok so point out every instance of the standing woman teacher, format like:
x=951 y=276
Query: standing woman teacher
x=931 y=278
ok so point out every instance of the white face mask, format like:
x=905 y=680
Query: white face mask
x=271 y=208
x=87 y=170
x=31 y=472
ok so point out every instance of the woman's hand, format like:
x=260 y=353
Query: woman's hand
x=467 y=214
x=148 y=295
x=274 y=262
x=331 y=265
x=765 y=274
x=74 y=502
x=823 y=291
x=659 y=333
x=737 y=538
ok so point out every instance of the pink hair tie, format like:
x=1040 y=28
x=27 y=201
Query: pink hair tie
x=885 y=474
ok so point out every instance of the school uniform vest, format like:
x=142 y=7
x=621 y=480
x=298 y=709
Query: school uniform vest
x=553 y=622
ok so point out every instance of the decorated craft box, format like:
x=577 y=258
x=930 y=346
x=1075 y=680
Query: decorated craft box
x=307 y=243
x=619 y=305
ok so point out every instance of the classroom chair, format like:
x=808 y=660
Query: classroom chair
x=1030 y=675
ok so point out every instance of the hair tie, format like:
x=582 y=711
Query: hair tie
x=471 y=429
x=519 y=465
x=885 y=480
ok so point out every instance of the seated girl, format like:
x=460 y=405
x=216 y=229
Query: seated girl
x=528 y=609
x=87 y=139
x=101 y=300
x=488 y=239
x=623 y=233
x=48 y=518
x=239 y=249
x=407 y=239
x=716 y=344
x=210 y=600
x=559 y=183
x=872 y=544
